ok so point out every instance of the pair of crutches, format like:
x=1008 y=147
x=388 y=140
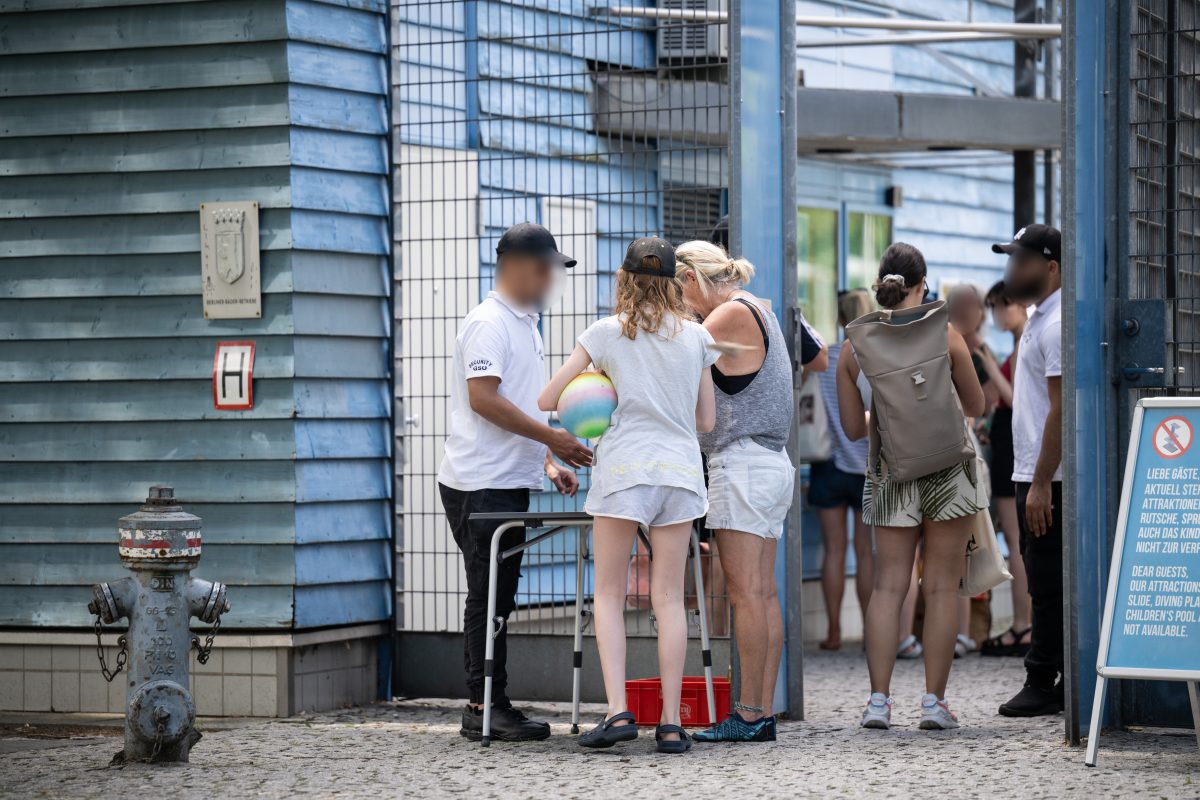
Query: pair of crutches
x=556 y=522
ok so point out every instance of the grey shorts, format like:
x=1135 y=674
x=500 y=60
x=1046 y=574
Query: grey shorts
x=749 y=489
x=649 y=505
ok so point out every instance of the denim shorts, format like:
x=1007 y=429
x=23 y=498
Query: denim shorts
x=649 y=505
x=749 y=489
x=829 y=487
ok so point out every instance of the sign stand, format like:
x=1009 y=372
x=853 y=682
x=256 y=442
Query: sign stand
x=1151 y=625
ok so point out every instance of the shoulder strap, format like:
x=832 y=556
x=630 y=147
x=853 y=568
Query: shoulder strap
x=757 y=320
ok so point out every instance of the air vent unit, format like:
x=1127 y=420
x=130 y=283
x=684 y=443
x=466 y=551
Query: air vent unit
x=693 y=41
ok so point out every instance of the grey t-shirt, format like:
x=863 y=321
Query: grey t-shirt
x=652 y=438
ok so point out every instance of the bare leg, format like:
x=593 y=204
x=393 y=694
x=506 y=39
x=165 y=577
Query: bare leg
x=667 y=569
x=612 y=542
x=774 y=626
x=1016 y=565
x=945 y=543
x=895 y=549
x=833 y=571
x=741 y=556
x=864 y=577
x=908 y=611
x=964 y=616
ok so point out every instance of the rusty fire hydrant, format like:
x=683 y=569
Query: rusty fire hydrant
x=160 y=543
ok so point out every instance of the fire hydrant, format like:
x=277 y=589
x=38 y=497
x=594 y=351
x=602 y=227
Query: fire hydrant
x=160 y=543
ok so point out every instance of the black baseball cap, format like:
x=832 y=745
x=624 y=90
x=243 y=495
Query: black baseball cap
x=1041 y=239
x=650 y=246
x=531 y=239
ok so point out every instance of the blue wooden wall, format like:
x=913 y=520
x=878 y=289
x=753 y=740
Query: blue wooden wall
x=118 y=120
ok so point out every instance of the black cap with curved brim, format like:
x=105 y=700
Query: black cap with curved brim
x=531 y=239
x=1041 y=239
x=650 y=246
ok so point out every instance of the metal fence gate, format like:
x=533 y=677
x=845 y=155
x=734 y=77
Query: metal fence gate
x=1158 y=286
x=601 y=128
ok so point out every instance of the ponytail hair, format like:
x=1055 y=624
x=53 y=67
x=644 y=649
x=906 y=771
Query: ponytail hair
x=711 y=265
x=901 y=268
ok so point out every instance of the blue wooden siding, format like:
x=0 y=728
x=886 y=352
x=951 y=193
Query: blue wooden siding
x=118 y=121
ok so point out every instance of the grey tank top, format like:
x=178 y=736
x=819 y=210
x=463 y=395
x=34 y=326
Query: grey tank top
x=763 y=409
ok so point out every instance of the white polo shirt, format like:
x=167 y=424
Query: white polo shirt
x=1039 y=357
x=500 y=339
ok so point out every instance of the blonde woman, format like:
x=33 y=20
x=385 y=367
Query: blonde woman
x=647 y=472
x=749 y=473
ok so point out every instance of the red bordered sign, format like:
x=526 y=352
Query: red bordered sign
x=1172 y=437
x=233 y=376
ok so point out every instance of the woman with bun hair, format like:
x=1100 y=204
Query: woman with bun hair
x=750 y=478
x=938 y=507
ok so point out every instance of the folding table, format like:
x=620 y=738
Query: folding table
x=552 y=523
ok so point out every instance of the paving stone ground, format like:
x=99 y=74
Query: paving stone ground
x=412 y=749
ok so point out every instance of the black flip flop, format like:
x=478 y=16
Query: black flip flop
x=606 y=734
x=673 y=746
x=996 y=647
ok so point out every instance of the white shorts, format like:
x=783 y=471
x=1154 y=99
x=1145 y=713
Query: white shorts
x=649 y=505
x=749 y=489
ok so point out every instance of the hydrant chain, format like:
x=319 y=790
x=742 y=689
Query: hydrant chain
x=122 y=654
x=205 y=650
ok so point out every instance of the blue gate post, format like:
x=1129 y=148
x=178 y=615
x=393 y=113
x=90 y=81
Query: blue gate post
x=762 y=59
x=1086 y=389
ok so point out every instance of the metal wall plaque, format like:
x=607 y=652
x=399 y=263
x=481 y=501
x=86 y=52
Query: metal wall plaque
x=229 y=260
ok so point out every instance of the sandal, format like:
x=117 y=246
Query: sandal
x=606 y=734
x=996 y=646
x=910 y=648
x=681 y=745
x=963 y=645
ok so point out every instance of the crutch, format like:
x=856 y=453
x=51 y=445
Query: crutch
x=577 y=671
x=705 y=649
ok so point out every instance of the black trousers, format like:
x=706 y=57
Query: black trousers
x=475 y=540
x=1043 y=557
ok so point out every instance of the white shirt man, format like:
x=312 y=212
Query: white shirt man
x=1034 y=275
x=498 y=447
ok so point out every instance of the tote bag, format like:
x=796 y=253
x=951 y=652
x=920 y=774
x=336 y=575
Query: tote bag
x=984 y=567
x=814 y=442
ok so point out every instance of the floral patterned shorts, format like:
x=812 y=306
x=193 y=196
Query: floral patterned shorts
x=950 y=493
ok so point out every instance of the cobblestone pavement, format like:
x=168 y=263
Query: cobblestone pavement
x=412 y=749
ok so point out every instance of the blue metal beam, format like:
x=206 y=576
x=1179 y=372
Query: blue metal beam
x=1087 y=390
x=763 y=221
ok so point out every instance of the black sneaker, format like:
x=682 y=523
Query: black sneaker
x=1033 y=701
x=508 y=725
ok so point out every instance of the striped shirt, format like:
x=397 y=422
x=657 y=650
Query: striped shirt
x=848 y=456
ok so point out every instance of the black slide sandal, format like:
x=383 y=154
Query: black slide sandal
x=682 y=745
x=606 y=734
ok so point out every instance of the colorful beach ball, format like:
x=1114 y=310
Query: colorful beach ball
x=586 y=406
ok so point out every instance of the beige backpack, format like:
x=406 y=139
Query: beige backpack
x=917 y=423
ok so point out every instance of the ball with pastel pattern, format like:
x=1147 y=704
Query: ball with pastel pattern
x=586 y=405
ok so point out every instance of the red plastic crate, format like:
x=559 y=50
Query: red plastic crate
x=644 y=697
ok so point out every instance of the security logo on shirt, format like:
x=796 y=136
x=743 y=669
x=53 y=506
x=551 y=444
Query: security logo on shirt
x=480 y=365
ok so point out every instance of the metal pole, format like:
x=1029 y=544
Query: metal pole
x=705 y=647
x=1024 y=186
x=1097 y=723
x=870 y=23
x=1194 y=699
x=489 y=647
x=913 y=38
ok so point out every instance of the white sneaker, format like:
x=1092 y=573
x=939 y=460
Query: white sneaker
x=878 y=713
x=936 y=714
x=963 y=645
